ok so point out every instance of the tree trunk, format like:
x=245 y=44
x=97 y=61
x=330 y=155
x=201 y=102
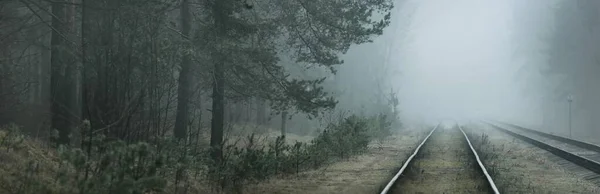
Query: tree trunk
x=45 y=84
x=84 y=84
x=248 y=112
x=199 y=122
x=62 y=87
x=227 y=114
x=220 y=13
x=218 y=113
x=283 y=122
x=185 y=75
x=74 y=71
x=260 y=112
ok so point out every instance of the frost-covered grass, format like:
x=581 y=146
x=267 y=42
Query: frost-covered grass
x=168 y=165
x=364 y=173
x=444 y=165
x=519 y=167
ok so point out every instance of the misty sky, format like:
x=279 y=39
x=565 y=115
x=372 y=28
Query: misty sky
x=459 y=62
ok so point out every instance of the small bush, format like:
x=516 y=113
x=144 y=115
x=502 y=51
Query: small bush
x=346 y=138
x=382 y=127
x=100 y=165
x=13 y=138
x=255 y=162
x=115 y=167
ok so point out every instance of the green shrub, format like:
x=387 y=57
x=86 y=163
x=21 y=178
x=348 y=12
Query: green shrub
x=13 y=138
x=119 y=168
x=255 y=162
x=101 y=165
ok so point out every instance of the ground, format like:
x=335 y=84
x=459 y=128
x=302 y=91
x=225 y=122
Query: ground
x=444 y=165
x=366 y=173
x=519 y=167
x=516 y=166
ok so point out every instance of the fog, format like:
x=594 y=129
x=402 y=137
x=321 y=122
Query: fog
x=459 y=62
x=516 y=61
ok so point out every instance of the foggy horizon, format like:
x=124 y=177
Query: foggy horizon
x=460 y=63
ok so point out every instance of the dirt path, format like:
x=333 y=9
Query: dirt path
x=366 y=173
x=444 y=165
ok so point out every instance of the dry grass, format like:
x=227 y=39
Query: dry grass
x=238 y=134
x=362 y=174
x=519 y=167
x=444 y=165
x=15 y=162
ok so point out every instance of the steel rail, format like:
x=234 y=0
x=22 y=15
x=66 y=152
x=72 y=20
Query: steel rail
x=405 y=165
x=393 y=181
x=487 y=175
x=574 y=142
x=576 y=159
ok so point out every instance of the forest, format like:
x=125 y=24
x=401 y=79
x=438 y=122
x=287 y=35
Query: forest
x=219 y=96
x=187 y=96
x=557 y=50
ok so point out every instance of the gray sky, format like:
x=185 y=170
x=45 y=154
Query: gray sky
x=458 y=61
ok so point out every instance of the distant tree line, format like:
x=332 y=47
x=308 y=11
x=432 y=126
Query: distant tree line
x=562 y=42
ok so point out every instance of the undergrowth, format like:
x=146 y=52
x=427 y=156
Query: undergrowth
x=490 y=157
x=102 y=165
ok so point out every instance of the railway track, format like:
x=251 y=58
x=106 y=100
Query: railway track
x=444 y=162
x=575 y=153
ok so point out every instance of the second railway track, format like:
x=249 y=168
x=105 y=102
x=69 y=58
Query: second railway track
x=445 y=162
x=579 y=153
